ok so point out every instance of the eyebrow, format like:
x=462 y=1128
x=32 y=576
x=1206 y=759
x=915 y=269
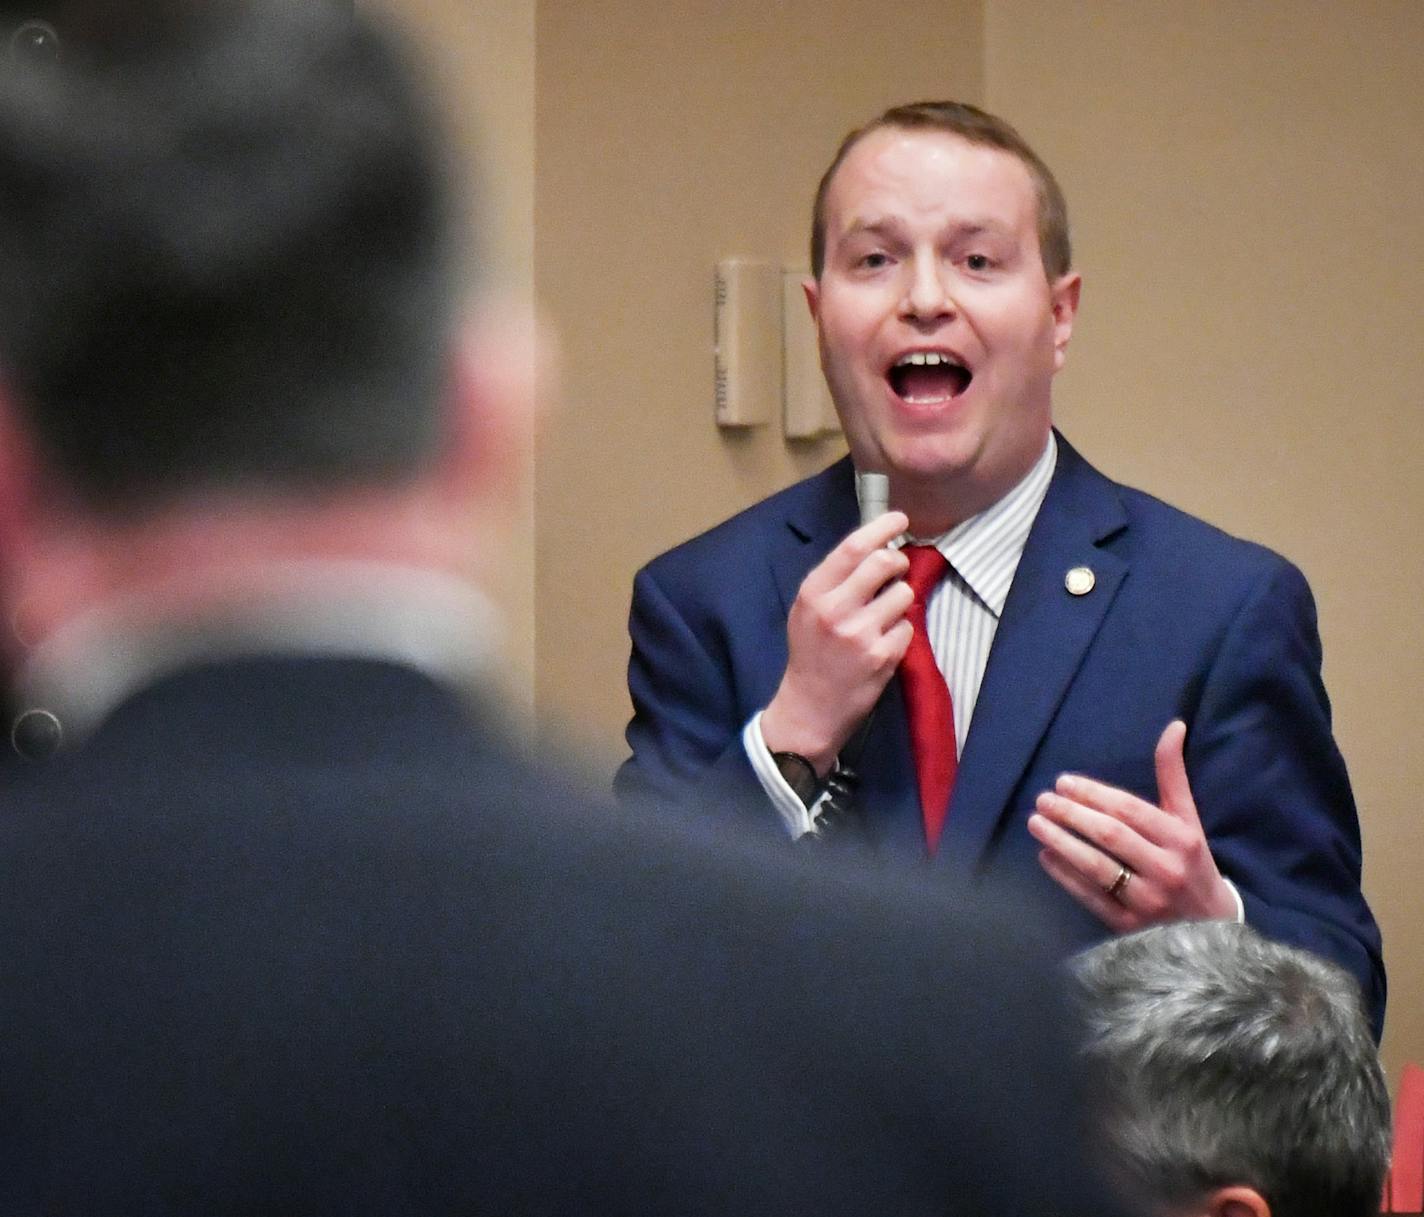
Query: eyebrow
x=992 y=228
x=877 y=226
x=872 y=227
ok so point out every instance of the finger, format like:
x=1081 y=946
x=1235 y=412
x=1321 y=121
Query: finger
x=837 y=565
x=1097 y=866
x=1116 y=916
x=860 y=612
x=1117 y=835
x=1174 y=791
x=884 y=610
x=879 y=571
x=1145 y=819
x=1170 y=881
x=881 y=638
x=895 y=642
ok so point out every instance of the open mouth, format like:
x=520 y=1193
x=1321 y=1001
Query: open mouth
x=925 y=378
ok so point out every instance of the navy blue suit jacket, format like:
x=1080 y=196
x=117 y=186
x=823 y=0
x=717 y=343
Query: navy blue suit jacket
x=304 y=936
x=1182 y=621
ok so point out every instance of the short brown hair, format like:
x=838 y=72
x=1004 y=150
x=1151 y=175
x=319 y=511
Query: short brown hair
x=978 y=127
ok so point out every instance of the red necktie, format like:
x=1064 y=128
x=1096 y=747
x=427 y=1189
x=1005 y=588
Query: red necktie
x=927 y=703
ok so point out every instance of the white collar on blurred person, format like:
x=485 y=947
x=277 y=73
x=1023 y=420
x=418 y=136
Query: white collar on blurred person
x=436 y=623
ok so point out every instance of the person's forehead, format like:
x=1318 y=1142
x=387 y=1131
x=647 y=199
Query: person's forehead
x=895 y=174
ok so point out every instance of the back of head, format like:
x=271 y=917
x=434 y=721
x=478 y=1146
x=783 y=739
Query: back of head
x=1229 y=1060
x=226 y=250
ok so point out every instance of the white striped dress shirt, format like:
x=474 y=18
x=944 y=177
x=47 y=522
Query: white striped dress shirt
x=962 y=616
x=983 y=553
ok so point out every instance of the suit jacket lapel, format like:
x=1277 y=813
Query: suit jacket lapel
x=816 y=522
x=1042 y=638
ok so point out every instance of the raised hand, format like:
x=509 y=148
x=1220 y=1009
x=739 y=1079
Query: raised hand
x=1132 y=862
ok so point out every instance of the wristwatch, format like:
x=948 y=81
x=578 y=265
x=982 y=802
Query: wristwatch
x=800 y=775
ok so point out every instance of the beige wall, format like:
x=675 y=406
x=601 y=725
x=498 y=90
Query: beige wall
x=671 y=135
x=483 y=56
x=1245 y=183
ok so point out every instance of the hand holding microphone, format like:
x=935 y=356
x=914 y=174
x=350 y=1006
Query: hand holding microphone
x=846 y=634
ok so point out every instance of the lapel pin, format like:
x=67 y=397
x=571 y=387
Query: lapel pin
x=1079 y=581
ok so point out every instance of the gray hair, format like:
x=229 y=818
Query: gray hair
x=1229 y=1059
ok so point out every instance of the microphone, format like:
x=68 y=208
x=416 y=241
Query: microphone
x=873 y=491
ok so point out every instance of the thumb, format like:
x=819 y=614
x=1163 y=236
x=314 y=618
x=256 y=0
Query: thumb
x=1174 y=792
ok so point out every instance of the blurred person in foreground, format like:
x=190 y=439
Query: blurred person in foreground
x=288 y=925
x=1240 y=1076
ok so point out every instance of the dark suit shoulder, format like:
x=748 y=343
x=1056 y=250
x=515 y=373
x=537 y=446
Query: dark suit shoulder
x=1192 y=562
x=1158 y=537
x=1170 y=523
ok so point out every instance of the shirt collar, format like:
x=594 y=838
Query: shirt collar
x=423 y=619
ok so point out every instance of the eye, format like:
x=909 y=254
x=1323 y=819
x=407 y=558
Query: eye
x=874 y=261
x=978 y=262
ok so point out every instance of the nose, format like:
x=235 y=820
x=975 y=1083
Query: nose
x=927 y=295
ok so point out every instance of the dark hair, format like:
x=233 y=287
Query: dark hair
x=225 y=251
x=978 y=127
x=1227 y=1059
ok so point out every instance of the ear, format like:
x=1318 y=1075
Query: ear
x=1236 y=1201
x=22 y=492
x=502 y=373
x=813 y=297
x=35 y=524
x=1064 y=299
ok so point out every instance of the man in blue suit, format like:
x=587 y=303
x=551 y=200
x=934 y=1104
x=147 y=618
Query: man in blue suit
x=1085 y=689
x=289 y=925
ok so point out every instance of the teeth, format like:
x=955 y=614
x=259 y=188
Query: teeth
x=931 y=359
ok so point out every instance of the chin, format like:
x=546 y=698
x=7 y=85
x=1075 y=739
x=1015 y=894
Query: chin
x=933 y=461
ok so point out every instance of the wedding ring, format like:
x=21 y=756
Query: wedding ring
x=1116 y=888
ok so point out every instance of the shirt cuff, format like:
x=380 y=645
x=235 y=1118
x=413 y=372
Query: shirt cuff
x=795 y=815
x=1240 y=904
